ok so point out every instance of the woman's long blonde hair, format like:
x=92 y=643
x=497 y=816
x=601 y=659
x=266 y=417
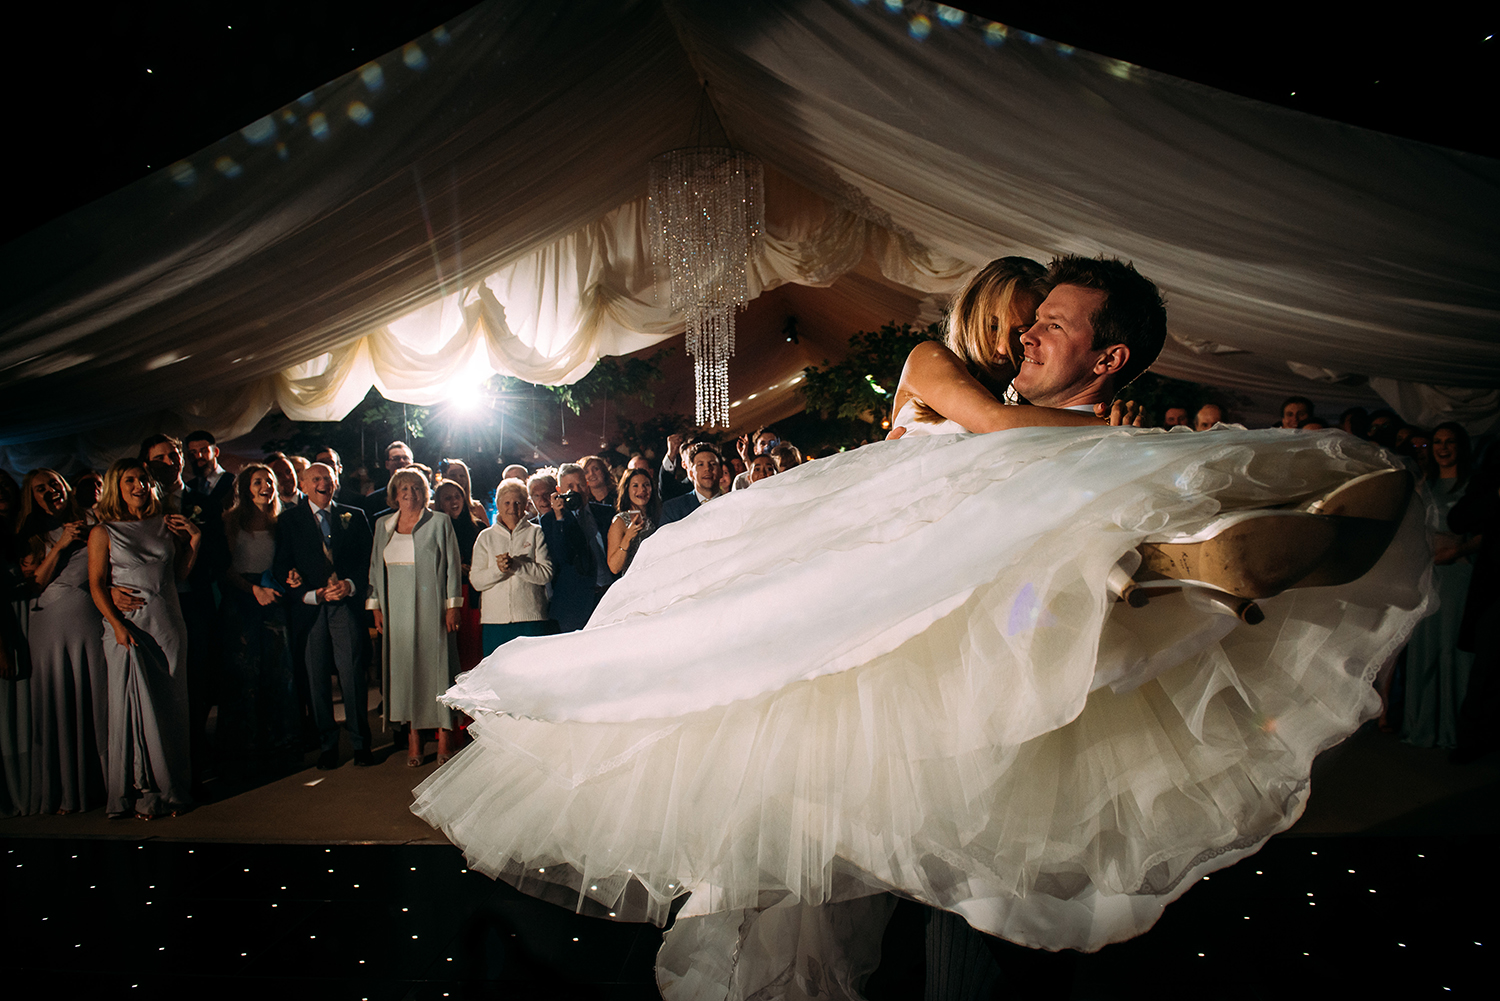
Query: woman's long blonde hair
x=980 y=318
x=112 y=505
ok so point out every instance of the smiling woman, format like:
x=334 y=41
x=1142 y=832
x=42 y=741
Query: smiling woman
x=69 y=705
x=259 y=712
x=135 y=558
x=416 y=593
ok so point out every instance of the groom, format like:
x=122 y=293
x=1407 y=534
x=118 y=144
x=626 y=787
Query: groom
x=1102 y=325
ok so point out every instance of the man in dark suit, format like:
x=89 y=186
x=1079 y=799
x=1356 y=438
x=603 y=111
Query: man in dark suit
x=209 y=480
x=323 y=556
x=674 y=462
x=398 y=455
x=703 y=473
x=195 y=595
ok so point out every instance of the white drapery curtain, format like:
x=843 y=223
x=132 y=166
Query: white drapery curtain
x=473 y=202
x=549 y=317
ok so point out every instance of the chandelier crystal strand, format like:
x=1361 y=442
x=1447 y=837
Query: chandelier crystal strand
x=707 y=217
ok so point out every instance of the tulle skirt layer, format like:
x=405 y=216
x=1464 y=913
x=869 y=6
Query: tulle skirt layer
x=991 y=734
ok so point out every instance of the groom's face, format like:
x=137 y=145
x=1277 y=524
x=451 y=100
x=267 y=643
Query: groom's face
x=1058 y=353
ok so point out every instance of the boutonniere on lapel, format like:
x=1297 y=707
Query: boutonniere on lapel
x=344 y=517
x=196 y=515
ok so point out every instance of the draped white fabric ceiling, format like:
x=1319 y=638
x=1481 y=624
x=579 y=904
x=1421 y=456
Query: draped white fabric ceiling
x=475 y=202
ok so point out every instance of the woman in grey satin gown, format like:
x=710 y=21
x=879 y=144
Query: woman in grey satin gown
x=134 y=557
x=69 y=705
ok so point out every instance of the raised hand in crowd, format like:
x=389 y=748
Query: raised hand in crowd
x=634 y=523
x=742 y=446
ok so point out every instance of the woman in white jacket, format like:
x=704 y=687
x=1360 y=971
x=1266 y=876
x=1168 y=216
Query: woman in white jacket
x=511 y=569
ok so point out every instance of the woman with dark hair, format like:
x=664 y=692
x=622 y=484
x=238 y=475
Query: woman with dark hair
x=456 y=470
x=1437 y=671
x=452 y=498
x=598 y=480
x=141 y=549
x=259 y=710
x=638 y=513
x=69 y=678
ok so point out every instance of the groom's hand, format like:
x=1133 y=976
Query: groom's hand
x=1122 y=413
x=896 y=432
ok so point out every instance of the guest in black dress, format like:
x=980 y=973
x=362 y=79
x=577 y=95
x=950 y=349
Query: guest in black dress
x=259 y=708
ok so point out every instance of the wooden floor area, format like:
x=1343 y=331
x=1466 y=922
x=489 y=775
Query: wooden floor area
x=1371 y=784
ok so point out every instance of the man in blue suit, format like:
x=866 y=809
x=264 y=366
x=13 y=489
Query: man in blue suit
x=703 y=473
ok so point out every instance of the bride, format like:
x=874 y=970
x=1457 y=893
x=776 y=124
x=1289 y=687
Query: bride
x=949 y=704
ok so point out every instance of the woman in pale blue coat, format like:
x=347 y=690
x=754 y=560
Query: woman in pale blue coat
x=416 y=592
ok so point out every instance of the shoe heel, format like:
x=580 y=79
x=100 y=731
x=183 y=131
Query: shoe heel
x=1251 y=557
x=1120 y=584
x=1207 y=599
x=1379 y=496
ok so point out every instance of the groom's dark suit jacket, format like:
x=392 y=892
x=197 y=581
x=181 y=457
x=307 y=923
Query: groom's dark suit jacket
x=299 y=546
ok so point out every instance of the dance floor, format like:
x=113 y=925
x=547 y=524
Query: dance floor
x=1376 y=892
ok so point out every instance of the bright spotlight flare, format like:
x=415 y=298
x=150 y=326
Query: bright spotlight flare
x=707 y=218
x=465 y=395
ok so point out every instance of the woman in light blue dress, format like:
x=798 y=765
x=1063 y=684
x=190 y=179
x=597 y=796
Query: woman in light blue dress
x=416 y=595
x=135 y=559
x=69 y=707
x=1437 y=671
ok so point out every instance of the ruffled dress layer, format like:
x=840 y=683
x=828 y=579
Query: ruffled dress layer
x=899 y=669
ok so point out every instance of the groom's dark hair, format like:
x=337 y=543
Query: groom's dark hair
x=1133 y=313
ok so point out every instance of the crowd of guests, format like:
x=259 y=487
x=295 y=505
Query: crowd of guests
x=1440 y=690
x=140 y=600
x=170 y=621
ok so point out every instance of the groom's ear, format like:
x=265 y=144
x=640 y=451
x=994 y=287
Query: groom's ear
x=1112 y=360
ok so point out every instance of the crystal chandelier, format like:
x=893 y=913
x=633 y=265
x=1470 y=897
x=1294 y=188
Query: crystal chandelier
x=707 y=218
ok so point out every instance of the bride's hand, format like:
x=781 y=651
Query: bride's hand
x=895 y=433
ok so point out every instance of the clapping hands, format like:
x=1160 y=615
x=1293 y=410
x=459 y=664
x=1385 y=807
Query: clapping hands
x=335 y=589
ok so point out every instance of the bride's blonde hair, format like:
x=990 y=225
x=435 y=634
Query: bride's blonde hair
x=979 y=321
x=978 y=326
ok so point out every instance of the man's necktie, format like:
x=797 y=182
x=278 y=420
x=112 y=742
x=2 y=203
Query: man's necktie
x=326 y=524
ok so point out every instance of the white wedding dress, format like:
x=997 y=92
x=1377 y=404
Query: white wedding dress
x=898 y=669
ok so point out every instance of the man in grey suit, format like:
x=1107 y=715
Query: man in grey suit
x=703 y=473
x=328 y=544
